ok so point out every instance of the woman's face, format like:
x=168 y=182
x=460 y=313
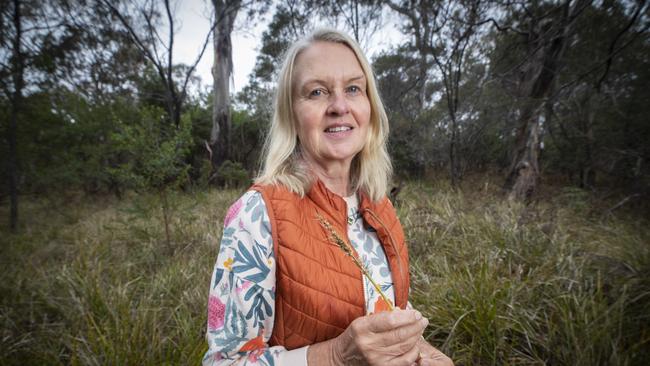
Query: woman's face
x=330 y=104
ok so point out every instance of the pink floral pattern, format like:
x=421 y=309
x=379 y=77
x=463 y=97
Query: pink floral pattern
x=216 y=313
x=244 y=286
x=241 y=304
x=233 y=211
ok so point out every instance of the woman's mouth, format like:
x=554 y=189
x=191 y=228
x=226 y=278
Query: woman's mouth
x=338 y=129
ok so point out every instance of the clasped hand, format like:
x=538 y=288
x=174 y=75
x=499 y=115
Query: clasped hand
x=388 y=338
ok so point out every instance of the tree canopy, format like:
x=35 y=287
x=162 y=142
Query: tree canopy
x=91 y=90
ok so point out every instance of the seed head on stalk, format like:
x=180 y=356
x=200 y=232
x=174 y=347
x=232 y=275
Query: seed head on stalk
x=347 y=249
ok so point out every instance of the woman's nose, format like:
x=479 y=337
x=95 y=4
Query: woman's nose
x=338 y=104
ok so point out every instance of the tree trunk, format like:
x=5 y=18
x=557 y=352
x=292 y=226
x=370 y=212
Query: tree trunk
x=16 y=101
x=547 y=43
x=454 y=169
x=422 y=91
x=588 y=174
x=524 y=176
x=226 y=12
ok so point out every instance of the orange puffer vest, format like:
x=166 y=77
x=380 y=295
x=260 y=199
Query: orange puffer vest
x=319 y=291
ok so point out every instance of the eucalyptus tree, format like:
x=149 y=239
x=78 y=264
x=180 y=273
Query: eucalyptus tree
x=13 y=16
x=446 y=36
x=362 y=18
x=146 y=25
x=37 y=43
x=544 y=31
x=226 y=12
x=603 y=66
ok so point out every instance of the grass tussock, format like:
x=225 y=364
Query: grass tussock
x=545 y=284
x=98 y=283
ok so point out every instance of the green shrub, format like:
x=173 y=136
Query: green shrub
x=233 y=174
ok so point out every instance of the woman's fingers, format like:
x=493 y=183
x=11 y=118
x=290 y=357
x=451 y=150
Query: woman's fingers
x=408 y=358
x=438 y=361
x=405 y=336
x=431 y=356
x=387 y=338
x=396 y=342
x=389 y=320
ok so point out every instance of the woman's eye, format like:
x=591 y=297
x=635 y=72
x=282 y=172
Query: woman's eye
x=316 y=93
x=353 y=89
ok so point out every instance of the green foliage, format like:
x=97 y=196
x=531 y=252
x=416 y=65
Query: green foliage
x=200 y=118
x=594 y=134
x=64 y=144
x=289 y=23
x=91 y=282
x=248 y=131
x=92 y=97
x=233 y=174
x=153 y=152
x=410 y=145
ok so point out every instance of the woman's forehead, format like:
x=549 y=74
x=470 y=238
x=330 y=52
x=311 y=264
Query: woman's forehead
x=323 y=61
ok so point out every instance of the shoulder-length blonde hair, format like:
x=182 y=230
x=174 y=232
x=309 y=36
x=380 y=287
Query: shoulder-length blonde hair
x=281 y=159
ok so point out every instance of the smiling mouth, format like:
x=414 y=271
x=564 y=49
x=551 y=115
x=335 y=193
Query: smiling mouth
x=338 y=129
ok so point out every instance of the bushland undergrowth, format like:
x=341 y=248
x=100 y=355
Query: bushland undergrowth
x=94 y=281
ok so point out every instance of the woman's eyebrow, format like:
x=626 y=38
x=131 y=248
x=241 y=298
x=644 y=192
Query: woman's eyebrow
x=313 y=81
x=321 y=81
x=304 y=86
x=355 y=78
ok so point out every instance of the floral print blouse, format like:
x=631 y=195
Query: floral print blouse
x=242 y=291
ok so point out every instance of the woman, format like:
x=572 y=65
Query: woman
x=283 y=293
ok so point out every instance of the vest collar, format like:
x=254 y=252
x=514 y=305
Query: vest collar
x=335 y=205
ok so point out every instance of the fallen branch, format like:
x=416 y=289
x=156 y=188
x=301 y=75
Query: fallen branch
x=621 y=203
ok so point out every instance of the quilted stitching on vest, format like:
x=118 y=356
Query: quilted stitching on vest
x=319 y=291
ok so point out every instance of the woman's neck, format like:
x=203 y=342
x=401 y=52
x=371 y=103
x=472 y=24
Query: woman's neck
x=335 y=176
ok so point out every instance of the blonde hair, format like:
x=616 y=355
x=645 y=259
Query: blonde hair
x=282 y=163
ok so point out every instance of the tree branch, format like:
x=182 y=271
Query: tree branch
x=612 y=45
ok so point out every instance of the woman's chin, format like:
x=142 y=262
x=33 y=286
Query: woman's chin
x=340 y=152
x=338 y=158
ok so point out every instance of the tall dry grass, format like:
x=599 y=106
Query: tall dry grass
x=552 y=283
x=93 y=282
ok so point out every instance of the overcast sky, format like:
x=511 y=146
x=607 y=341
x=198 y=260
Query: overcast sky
x=193 y=25
x=193 y=18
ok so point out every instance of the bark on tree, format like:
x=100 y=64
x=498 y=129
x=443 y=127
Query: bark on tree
x=226 y=12
x=586 y=121
x=589 y=173
x=17 y=71
x=546 y=43
x=525 y=174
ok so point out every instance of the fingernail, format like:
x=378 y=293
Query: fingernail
x=418 y=316
x=425 y=321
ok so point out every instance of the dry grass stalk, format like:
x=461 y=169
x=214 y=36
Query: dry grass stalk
x=347 y=249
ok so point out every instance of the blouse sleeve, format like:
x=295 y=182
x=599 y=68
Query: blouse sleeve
x=241 y=303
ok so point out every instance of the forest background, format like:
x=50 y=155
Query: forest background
x=519 y=138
